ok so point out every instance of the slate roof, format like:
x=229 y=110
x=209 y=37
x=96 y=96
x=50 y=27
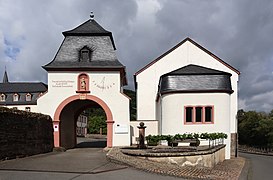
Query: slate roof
x=22 y=89
x=193 y=78
x=101 y=44
x=195 y=70
x=82 y=65
x=90 y=28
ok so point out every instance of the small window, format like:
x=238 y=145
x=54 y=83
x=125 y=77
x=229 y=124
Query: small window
x=198 y=114
x=189 y=114
x=27 y=109
x=3 y=97
x=28 y=97
x=208 y=114
x=15 y=97
x=85 y=54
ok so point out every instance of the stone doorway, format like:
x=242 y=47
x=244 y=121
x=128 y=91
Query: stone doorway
x=66 y=115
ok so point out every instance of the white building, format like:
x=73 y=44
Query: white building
x=189 y=89
x=186 y=89
x=82 y=123
x=20 y=95
x=85 y=73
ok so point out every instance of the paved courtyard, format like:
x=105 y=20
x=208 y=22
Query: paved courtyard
x=85 y=162
x=88 y=161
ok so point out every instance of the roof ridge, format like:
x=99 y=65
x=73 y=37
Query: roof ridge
x=88 y=27
x=178 y=45
x=193 y=69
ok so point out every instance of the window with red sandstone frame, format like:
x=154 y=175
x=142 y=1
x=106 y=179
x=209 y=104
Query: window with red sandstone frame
x=198 y=114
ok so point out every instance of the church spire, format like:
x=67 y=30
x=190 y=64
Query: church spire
x=5 y=78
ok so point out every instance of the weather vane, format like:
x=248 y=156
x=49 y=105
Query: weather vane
x=91 y=15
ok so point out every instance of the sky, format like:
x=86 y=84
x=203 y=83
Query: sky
x=240 y=32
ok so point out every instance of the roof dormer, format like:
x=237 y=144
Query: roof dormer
x=15 y=97
x=85 y=54
x=2 y=98
x=28 y=97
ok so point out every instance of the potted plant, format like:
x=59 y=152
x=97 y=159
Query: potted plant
x=171 y=140
x=152 y=140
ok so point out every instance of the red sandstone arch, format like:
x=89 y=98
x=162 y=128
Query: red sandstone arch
x=104 y=106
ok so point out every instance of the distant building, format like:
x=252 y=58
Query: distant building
x=24 y=95
x=21 y=95
x=82 y=123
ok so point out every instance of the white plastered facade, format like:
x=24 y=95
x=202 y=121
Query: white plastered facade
x=169 y=109
x=62 y=85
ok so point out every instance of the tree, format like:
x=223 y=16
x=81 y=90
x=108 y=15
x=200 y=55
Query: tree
x=96 y=120
x=95 y=123
x=255 y=128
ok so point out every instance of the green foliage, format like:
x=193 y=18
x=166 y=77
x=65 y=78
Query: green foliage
x=153 y=140
x=97 y=117
x=96 y=120
x=255 y=129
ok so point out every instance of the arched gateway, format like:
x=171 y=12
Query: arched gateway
x=85 y=73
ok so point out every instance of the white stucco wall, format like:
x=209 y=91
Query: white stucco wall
x=173 y=114
x=147 y=87
x=187 y=53
x=62 y=85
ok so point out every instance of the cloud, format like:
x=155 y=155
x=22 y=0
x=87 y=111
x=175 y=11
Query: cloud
x=239 y=32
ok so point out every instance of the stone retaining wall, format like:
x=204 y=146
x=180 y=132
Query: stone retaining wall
x=200 y=158
x=229 y=169
x=23 y=133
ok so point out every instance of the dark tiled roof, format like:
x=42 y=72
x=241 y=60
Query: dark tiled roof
x=97 y=40
x=195 y=70
x=78 y=64
x=89 y=34
x=90 y=27
x=194 y=78
x=22 y=89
